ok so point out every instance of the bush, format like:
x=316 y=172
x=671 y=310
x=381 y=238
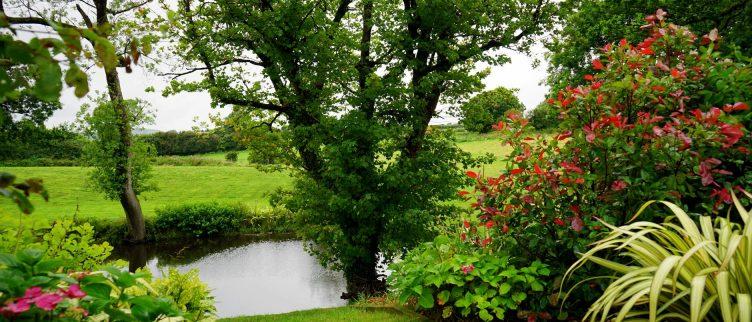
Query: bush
x=676 y=270
x=35 y=289
x=71 y=244
x=188 y=293
x=487 y=108
x=457 y=280
x=231 y=156
x=200 y=219
x=639 y=130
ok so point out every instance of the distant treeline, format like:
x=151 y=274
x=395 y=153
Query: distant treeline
x=191 y=142
x=27 y=144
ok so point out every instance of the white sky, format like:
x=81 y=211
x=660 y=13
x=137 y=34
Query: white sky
x=177 y=112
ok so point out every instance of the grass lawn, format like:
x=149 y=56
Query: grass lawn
x=347 y=313
x=69 y=194
x=177 y=184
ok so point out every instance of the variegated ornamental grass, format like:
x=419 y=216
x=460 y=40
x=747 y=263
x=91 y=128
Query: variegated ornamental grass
x=678 y=271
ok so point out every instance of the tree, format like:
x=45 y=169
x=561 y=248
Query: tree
x=356 y=83
x=113 y=26
x=99 y=125
x=487 y=108
x=593 y=23
x=543 y=117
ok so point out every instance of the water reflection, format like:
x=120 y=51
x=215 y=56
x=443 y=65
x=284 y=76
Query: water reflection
x=248 y=276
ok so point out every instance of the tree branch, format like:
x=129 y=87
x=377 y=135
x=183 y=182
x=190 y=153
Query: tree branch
x=342 y=9
x=132 y=7
x=86 y=18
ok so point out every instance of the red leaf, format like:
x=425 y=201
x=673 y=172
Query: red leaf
x=472 y=174
x=559 y=222
x=537 y=169
x=516 y=171
x=589 y=77
x=505 y=229
x=597 y=65
x=489 y=224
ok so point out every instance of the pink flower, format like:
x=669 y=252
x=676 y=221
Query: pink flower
x=48 y=301
x=466 y=269
x=32 y=292
x=577 y=223
x=618 y=185
x=74 y=291
x=20 y=306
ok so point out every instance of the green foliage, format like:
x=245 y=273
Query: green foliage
x=19 y=192
x=100 y=126
x=201 y=219
x=354 y=87
x=35 y=289
x=188 y=293
x=637 y=130
x=189 y=142
x=455 y=279
x=72 y=244
x=488 y=108
x=231 y=156
x=31 y=144
x=675 y=269
x=544 y=117
x=593 y=23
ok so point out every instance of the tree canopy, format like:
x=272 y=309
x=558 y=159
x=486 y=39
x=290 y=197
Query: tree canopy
x=355 y=83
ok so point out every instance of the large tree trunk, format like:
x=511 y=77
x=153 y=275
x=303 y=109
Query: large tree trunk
x=123 y=154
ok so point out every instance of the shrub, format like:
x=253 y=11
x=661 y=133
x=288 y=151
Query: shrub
x=65 y=241
x=487 y=108
x=200 y=219
x=35 y=289
x=639 y=130
x=231 y=156
x=188 y=293
x=676 y=270
x=459 y=280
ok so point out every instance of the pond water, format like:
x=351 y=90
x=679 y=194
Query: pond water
x=247 y=275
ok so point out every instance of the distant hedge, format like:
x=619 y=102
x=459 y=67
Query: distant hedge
x=28 y=141
x=191 y=142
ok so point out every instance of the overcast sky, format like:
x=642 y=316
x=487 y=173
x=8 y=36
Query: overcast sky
x=178 y=112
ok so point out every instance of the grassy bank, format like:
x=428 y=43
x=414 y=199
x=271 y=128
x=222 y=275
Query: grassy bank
x=347 y=313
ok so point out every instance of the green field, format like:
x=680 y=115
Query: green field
x=69 y=194
x=347 y=313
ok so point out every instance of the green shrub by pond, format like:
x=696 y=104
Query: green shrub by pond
x=200 y=219
x=203 y=219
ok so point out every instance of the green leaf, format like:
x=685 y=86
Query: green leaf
x=426 y=300
x=98 y=290
x=504 y=288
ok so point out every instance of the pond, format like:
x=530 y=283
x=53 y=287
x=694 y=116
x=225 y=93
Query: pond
x=247 y=275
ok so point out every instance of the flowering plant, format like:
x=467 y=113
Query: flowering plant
x=652 y=122
x=36 y=289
